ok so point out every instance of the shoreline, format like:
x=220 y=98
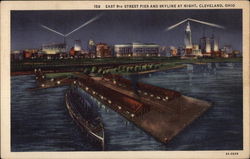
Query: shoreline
x=181 y=65
x=159 y=70
x=20 y=73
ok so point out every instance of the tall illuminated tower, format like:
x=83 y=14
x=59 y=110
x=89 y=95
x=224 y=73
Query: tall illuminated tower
x=214 y=44
x=78 y=45
x=188 y=37
x=208 y=45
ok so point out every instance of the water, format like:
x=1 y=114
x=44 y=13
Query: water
x=40 y=121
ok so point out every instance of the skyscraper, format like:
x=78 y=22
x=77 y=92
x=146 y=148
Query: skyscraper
x=91 y=46
x=203 y=44
x=208 y=45
x=78 y=45
x=215 y=44
x=188 y=37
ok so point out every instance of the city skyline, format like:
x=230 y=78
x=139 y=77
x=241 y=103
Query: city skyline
x=123 y=26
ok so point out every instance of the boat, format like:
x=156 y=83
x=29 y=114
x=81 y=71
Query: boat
x=85 y=116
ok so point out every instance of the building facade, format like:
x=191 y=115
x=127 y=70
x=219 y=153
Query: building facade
x=205 y=46
x=214 y=44
x=227 y=49
x=196 y=51
x=78 y=46
x=145 y=49
x=136 y=50
x=91 y=46
x=173 y=51
x=29 y=53
x=103 y=50
x=16 y=55
x=123 y=50
x=54 y=48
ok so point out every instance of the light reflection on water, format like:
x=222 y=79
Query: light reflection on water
x=40 y=121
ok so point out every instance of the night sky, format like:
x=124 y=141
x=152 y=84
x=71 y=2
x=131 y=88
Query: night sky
x=123 y=26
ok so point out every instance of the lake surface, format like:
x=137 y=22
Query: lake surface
x=40 y=121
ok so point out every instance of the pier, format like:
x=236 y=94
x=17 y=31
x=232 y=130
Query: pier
x=160 y=112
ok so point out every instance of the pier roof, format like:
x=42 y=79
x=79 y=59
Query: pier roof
x=119 y=99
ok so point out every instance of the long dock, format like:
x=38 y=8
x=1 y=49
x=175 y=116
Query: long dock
x=160 y=112
x=163 y=119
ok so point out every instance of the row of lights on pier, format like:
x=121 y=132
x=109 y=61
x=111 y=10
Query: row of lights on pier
x=109 y=101
x=145 y=93
x=35 y=70
x=151 y=95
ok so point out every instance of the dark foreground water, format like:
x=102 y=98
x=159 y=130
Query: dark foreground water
x=40 y=121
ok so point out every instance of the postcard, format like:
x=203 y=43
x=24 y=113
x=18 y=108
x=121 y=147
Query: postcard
x=125 y=79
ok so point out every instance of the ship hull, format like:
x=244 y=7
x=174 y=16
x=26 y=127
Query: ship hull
x=82 y=123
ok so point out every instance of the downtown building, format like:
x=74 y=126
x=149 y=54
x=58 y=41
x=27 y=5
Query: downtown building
x=54 y=48
x=173 y=51
x=227 y=52
x=136 y=50
x=77 y=50
x=210 y=46
x=188 y=37
x=16 y=55
x=103 y=50
x=91 y=49
x=30 y=53
x=191 y=50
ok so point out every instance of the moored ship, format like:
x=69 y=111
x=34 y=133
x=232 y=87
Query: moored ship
x=85 y=116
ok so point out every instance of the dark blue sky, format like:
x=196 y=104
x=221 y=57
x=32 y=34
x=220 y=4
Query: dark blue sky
x=122 y=26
